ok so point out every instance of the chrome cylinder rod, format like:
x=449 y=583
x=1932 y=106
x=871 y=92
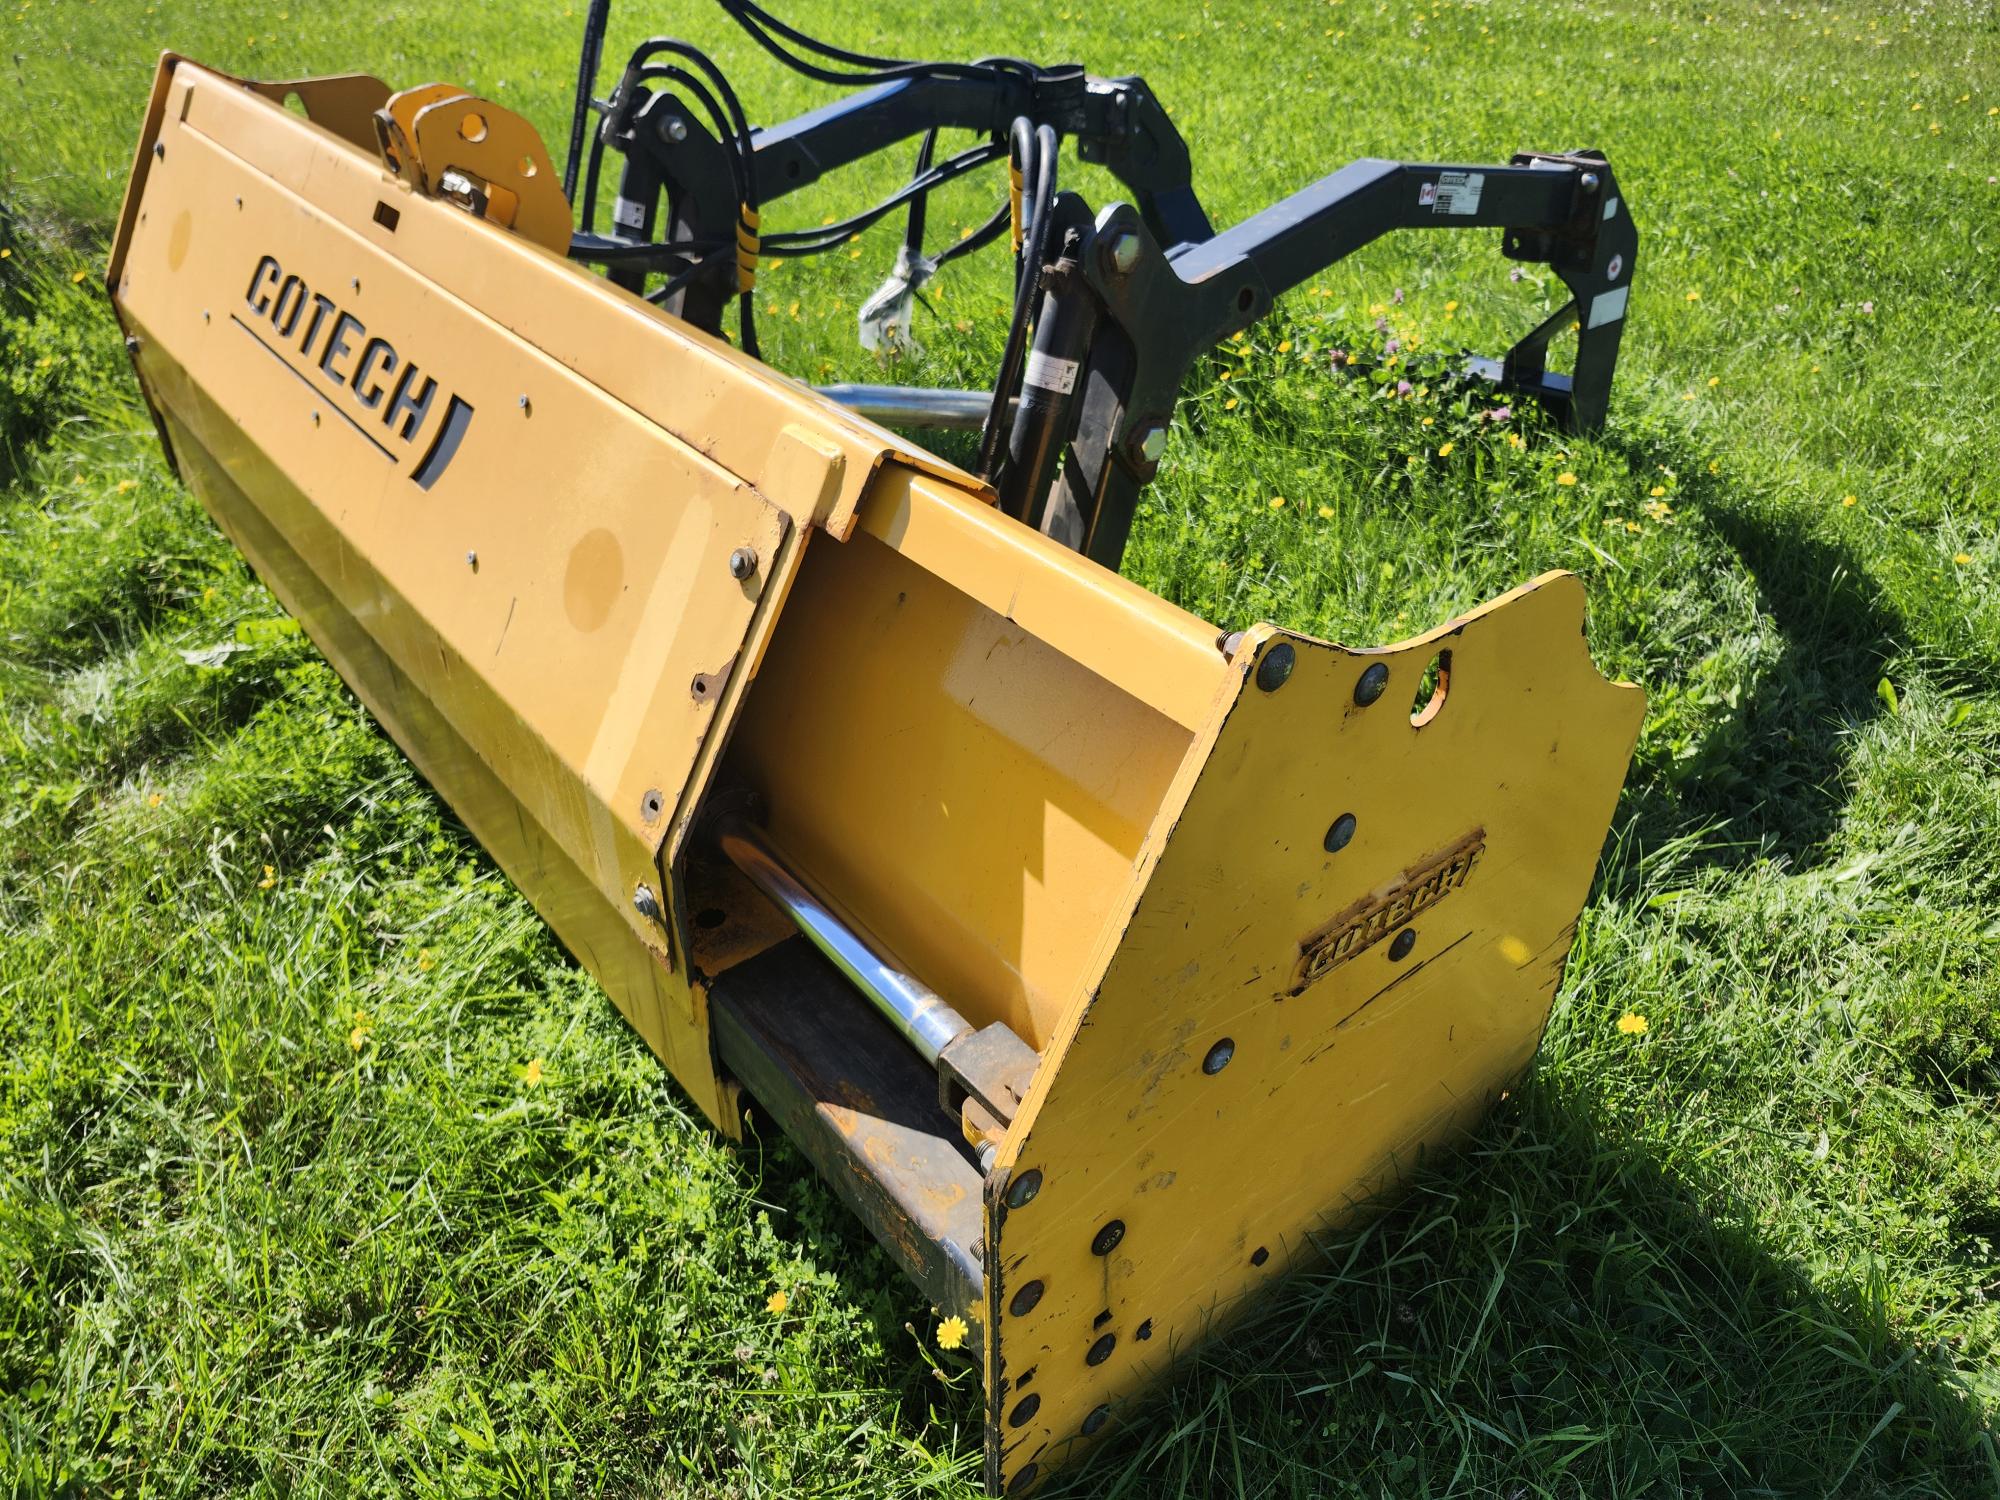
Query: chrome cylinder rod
x=914 y=406
x=910 y=1005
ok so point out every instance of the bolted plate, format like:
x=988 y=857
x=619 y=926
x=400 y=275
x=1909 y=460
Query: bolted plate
x=1374 y=997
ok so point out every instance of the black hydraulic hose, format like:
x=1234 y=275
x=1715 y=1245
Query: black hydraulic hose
x=795 y=242
x=594 y=22
x=674 y=283
x=913 y=231
x=1035 y=247
x=739 y=12
x=980 y=238
x=746 y=311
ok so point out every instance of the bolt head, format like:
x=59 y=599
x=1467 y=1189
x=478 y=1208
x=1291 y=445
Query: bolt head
x=1106 y=1239
x=742 y=563
x=674 y=128
x=1275 y=670
x=1401 y=944
x=1340 y=834
x=1124 y=252
x=472 y=559
x=1022 y=1190
x=645 y=903
x=1153 y=442
x=1372 y=684
x=131 y=343
x=1588 y=182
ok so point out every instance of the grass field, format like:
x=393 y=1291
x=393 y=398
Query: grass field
x=324 y=1170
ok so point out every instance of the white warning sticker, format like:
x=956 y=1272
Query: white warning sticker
x=1609 y=307
x=1048 y=373
x=1454 y=193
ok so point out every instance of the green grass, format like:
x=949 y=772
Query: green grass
x=286 y=1206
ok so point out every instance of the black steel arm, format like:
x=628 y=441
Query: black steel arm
x=1162 y=307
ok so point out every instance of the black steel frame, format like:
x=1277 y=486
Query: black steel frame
x=1141 y=290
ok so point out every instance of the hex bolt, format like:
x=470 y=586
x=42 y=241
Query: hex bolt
x=645 y=903
x=1025 y=1299
x=1372 y=683
x=1340 y=834
x=742 y=563
x=1099 y=1415
x=673 y=129
x=1106 y=1239
x=1021 y=1192
x=1275 y=670
x=1123 y=253
x=1588 y=182
x=1101 y=1350
x=987 y=1153
x=1150 y=442
x=1401 y=944
x=1227 y=643
x=1219 y=1056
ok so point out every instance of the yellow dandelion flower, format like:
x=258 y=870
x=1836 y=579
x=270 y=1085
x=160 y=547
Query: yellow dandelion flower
x=1326 y=512
x=1687 y=395
x=1284 y=346
x=126 y=486
x=1714 y=466
x=1444 y=449
x=1714 y=381
x=951 y=1332
x=1515 y=440
x=155 y=800
x=854 y=255
x=1848 y=500
x=776 y=1303
x=425 y=961
x=1961 y=558
x=1694 y=296
x=532 y=1074
x=1277 y=502
x=78 y=277
x=359 y=1034
x=1565 y=479
x=6 y=254
x=1230 y=404
x=1657 y=490
x=270 y=879
x=1632 y=1024
x=1429 y=420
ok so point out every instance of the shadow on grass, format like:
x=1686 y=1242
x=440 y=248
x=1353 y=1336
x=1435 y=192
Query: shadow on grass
x=1552 y=1314
x=1768 y=776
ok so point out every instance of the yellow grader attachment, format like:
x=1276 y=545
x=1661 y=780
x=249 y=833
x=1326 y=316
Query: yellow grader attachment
x=1095 y=957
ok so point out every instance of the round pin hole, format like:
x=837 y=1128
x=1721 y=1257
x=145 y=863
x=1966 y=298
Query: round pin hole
x=1094 y=1423
x=1340 y=834
x=528 y=167
x=472 y=126
x=1259 y=1256
x=1101 y=1350
x=1431 y=690
x=1025 y=1299
x=1023 y=1480
x=1218 y=1056
x=1401 y=944
x=1024 y=1411
x=710 y=917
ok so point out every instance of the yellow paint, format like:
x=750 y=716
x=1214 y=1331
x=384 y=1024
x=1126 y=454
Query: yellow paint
x=1045 y=791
